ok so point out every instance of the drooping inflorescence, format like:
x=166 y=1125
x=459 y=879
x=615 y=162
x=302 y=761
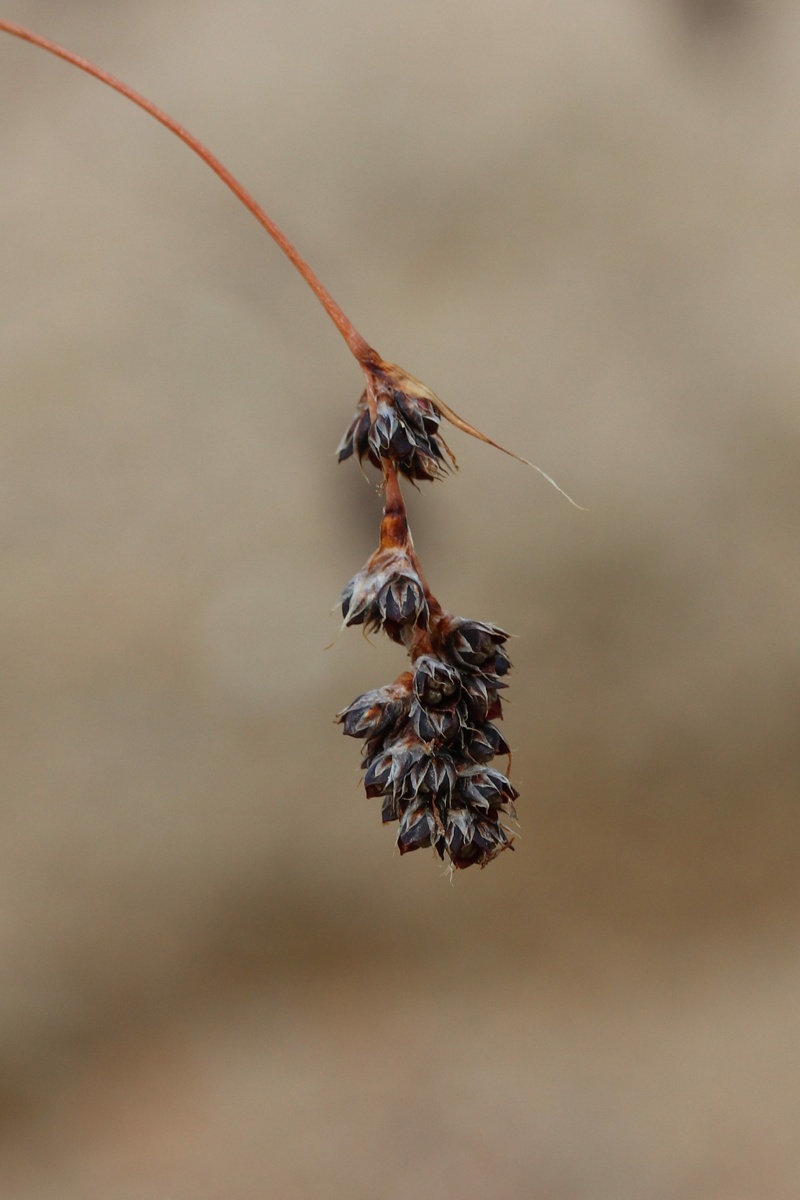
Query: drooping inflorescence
x=428 y=737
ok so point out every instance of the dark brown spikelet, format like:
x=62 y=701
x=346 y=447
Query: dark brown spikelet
x=474 y=645
x=377 y=712
x=403 y=429
x=387 y=593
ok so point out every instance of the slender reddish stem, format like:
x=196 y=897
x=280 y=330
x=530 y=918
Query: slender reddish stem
x=396 y=534
x=394 y=497
x=394 y=527
x=361 y=350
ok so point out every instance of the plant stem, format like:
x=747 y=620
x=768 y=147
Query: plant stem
x=394 y=502
x=394 y=527
x=360 y=349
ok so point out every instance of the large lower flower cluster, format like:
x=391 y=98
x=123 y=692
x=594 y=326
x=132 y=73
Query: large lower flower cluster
x=429 y=737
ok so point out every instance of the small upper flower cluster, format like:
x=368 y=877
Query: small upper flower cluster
x=429 y=736
x=402 y=427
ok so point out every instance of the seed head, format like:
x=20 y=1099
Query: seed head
x=387 y=593
x=404 y=429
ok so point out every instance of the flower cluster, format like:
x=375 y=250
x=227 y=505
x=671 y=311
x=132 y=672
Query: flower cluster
x=387 y=594
x=401 y=426
x=429 y=736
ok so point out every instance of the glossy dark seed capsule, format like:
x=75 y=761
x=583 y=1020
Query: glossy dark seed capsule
x=435 y=682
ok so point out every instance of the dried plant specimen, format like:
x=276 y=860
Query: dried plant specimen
x=429 y=736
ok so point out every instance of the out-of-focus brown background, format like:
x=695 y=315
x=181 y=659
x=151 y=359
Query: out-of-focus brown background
x=579 y=223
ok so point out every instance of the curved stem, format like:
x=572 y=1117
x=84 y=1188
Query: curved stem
x=361 y=350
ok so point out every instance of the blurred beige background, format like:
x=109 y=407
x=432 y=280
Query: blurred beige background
x=579 y=223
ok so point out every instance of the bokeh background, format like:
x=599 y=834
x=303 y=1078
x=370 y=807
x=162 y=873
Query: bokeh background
x=578 y=222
